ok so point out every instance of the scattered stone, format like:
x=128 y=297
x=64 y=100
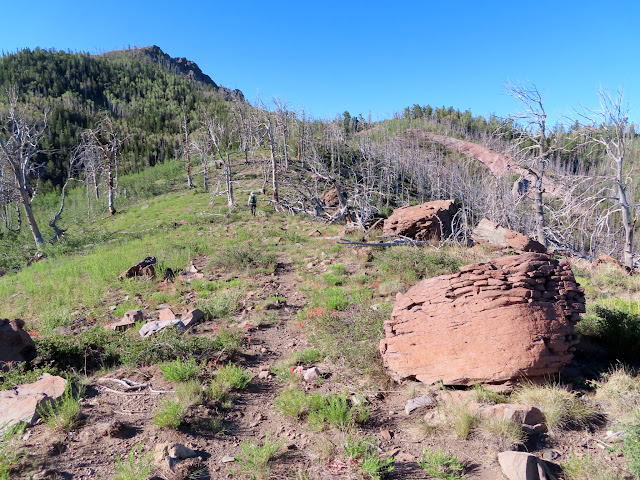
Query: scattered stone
x=491 y=234
x=311 y=375
x=112 y=308
x=143 y=269
x=166 y=314
x=299 y=370
x=227 y=459
x=193 y=268
x=181 y=452
x=429 y=221
x=152 y=327
x=418 y=402
x=21 y=405
x=16 y=345
x=331 y=198
x=176 y=459
x=492 y=322
x=524 y=466
x=310 y=266
x=386 y=435
x=263 y=375
x=517 y=413
x=263 y=350
x=128 y=321
x=550 y=454
x=315 y=233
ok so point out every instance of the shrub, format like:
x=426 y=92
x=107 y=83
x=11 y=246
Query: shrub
x=413 y=263
x=484 y=395
x=180 y=371
x=440 y=464
x=365 y=453
x=255 y=459
x=293 y=403
x=587 y=468
x=135 y=466
x=170 y=414
x=245 y=257
x=229 y=378
x=619 y=331
x=62 y=414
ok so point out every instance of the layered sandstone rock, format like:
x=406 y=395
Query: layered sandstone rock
x=424 y=222
x=16 y=345
x=491 y=322
x=492 y=234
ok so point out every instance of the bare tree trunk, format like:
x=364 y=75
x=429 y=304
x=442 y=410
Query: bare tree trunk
x=31 y=220
x=110 y=181
x=187 y=150
x=274 y=175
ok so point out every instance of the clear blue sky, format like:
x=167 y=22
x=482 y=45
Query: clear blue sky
x=332 y=56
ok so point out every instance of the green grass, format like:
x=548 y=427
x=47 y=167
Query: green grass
x=62 y=415
x=631 y=448
x=255 y=459
x=10 y=451
x=617 y=330
x=169 y=414
x=415 y=263
x=135 y=466
x=334 y=410
x=440 y=464
x=229 y=378
x=365 y=453
x=179 y=370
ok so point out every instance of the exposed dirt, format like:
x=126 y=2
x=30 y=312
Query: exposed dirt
x=114 y=421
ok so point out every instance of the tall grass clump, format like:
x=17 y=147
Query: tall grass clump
x=255 y=459
x=179 y=370
x=135 y=466
x=562 y=409
x=619 y=394
x=62 y=414
x=416 y=263
x=10 y=451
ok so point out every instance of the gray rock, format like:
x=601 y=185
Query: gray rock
x=311 y=375
x=227 y=459
x=155 y=326
x=192 y=317
x=418 y=402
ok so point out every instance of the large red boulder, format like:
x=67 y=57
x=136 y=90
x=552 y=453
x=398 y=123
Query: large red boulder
x=491 y=234
x=425 y=222
x=491 y=322
x=16 y=345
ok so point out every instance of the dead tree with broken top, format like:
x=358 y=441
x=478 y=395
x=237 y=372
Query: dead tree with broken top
x=19 y=145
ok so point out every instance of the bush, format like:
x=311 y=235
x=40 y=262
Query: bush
x=136 y=466
x=365 y=453
x=619 y=393
x=619 y=331
x=413 y=263
x=245 y=257
x=255 y=459
x=10 y=453
x=180 y=371
x=170 y=414
x=440 y=464
x=62 y=414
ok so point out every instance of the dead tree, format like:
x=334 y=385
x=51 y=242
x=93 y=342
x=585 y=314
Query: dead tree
x=201 y=145
x=105 y=141
x=221 y=137
x=532 y=147
x=609 y=128
x=186 y=146
x=19 y=144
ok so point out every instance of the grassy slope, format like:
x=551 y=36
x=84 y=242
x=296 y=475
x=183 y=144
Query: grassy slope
x=181 y=225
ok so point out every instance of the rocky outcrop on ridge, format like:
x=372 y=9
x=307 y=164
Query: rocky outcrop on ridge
x=429 y=221
x=492 y=322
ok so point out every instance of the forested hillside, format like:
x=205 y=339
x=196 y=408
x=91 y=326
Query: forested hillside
x=144 y=90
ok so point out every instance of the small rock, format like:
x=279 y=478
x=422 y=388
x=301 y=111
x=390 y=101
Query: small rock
x=227 y=459
x=155 y=326
x=192 y=317
x=166 y=314
x=309 y=265
x=179 y=451
x=311 y=375
x=418 y=402
x=385 y=435
x=263 y=350
x=263 y=374
x=112 y=308
x=550 y=454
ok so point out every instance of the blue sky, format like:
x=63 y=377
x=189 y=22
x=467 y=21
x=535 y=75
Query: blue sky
x=373 y=56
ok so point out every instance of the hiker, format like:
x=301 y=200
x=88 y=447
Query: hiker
x=253 y=201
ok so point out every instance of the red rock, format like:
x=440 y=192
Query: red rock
x=425 y=222
x=439 y=331
x=143 y=269
x=524 y=466
x=21 y=404
x=166 y=314
x=16 y=345
x=517 y=413
x=492 y=234
x=331 y=198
